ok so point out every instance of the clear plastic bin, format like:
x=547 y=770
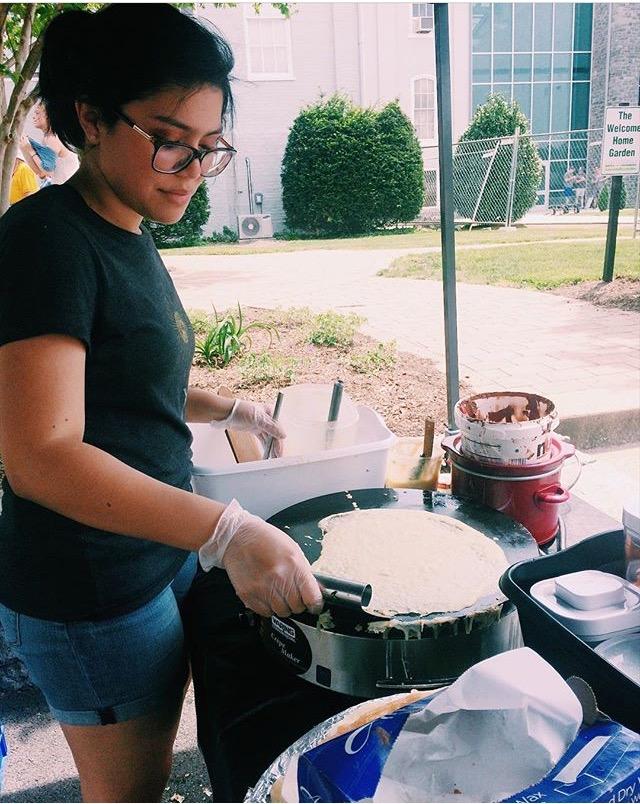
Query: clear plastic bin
x=304 y=413
x=407 y=470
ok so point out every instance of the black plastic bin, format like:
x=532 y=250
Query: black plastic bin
x=617 y=695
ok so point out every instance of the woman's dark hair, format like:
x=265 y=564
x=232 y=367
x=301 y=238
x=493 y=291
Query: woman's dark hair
x=126 y=52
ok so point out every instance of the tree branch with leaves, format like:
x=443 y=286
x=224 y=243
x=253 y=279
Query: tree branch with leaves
x=22 y=27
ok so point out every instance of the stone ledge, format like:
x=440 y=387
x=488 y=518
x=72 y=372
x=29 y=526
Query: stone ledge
x=602 y=429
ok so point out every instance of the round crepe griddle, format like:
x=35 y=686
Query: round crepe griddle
x=300 y=521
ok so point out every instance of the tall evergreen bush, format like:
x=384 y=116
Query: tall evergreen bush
x=495 y=119
x=188 y=230
x=603 y=198
x=348 y=170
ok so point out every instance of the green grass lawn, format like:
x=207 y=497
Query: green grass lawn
x=541 y=266
x=418 y=239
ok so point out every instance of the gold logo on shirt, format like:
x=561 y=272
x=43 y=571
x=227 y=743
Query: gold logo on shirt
x=181 y=327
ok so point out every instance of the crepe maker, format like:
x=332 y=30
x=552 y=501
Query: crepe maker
x=355 y=653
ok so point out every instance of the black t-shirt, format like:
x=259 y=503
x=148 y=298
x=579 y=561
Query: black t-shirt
x=65 y=270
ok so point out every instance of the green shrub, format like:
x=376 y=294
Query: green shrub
x=495 y=118
x=348 y=170
x=603 y=198
x=188 y=230
x=226 y=338
x=266 y=369
x=375 y=360
x=285 y=234
x=226 y=236
x=334 y=329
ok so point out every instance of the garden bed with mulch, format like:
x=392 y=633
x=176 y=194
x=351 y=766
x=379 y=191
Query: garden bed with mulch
x=621 y=293
x=404 y=388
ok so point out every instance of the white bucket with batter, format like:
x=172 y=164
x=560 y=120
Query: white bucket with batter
x=506 y=427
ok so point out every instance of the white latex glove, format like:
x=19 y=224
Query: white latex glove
x=268 y=570
x=254 y=418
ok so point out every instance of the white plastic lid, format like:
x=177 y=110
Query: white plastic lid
x=631 y=516
x=592 y=625
x=590 y=589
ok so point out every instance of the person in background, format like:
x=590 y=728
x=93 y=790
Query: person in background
x=100 y=531
x=568 y=189
x=42 y=157
x=597 y=183
x=23 y=181
x=51 y=171
x=580 y=182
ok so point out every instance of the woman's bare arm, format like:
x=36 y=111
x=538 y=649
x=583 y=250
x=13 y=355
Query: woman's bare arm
x=47 y=462
x=203 y=406
x=32 y=159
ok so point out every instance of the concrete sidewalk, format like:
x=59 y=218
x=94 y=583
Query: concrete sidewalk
x=40 y=766
x=585 y=358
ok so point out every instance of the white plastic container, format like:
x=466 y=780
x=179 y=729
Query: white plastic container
x=602 y=605
x=266 y=487
x=304 y=413
x=508 y=428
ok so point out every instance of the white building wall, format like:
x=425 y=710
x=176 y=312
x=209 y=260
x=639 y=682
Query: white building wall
x=265 y=110
x=366 y=50
x=460 y=47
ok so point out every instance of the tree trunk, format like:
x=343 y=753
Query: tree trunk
x=20 y=101
x=9 y=149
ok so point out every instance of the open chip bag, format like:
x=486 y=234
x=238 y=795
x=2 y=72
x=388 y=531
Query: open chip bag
x=507 y=727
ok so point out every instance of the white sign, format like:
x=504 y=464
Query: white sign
x=621 y=141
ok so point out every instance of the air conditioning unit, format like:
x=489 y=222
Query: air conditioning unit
x=423 y=25
x=252 y=227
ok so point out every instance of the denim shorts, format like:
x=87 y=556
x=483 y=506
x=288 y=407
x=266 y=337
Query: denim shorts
x=107 y=671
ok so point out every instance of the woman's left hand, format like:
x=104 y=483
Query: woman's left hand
x=254 y=418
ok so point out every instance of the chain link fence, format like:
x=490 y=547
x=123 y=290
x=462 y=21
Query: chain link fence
x=504 y=179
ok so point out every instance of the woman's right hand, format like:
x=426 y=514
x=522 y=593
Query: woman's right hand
x=268 y=570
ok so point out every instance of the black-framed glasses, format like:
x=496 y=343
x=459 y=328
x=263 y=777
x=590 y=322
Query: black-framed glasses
x=172 y=157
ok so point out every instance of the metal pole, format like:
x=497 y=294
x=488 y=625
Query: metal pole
x=447 y=229
x=635 y=214
x=614 y=209
x=512 y=176
x=612 y=228
x=247 y=163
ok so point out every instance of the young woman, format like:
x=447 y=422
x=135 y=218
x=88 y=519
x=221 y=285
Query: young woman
x=99 y=532
x=64 y=162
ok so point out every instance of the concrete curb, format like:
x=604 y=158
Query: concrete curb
x=611 y=429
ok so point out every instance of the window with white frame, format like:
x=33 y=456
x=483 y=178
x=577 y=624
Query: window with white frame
x=424 y=107
x=268 y=37
x=422 y=17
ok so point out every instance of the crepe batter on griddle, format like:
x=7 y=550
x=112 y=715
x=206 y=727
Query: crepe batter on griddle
x=416 y=562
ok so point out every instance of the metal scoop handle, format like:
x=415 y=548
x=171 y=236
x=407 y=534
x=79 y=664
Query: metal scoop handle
x=344 y=593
